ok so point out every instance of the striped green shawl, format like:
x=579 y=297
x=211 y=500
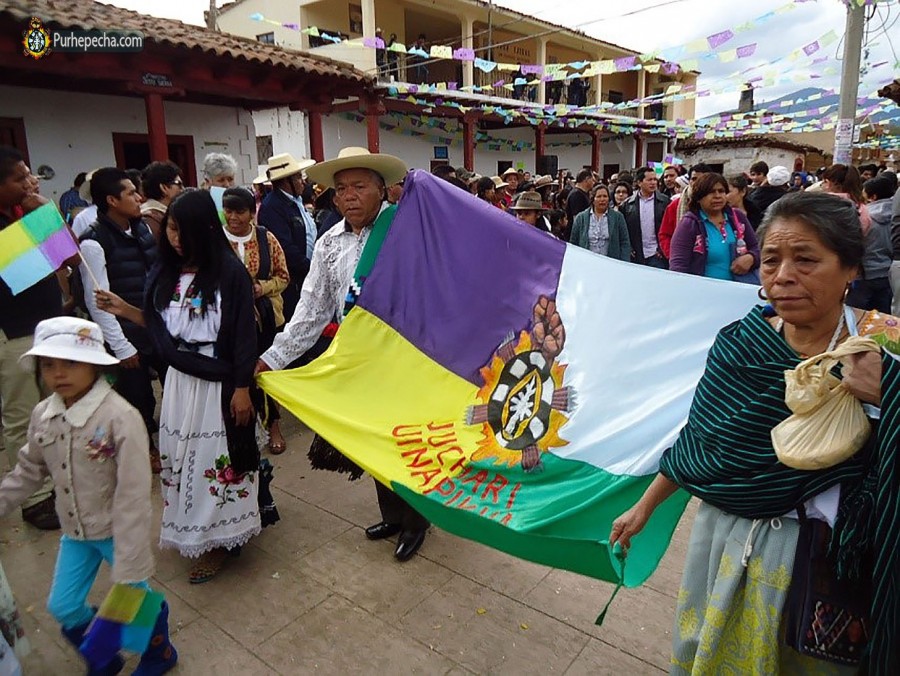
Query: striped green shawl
x=724 y=456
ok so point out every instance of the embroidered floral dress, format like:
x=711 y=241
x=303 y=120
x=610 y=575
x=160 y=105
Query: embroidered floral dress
x=206 y=504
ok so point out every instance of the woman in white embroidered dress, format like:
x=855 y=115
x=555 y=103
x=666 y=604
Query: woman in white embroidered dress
x=199 y=311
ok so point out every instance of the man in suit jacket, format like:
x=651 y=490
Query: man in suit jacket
x=643 y=213
x=283 y=214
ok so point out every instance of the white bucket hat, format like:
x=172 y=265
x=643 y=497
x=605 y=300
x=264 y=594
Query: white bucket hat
x=68 y=338
x=284 y=165
x=391 y=169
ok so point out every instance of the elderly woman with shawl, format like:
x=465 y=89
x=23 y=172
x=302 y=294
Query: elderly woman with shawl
x=752 y=566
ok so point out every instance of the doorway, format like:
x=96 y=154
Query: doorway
x=133 y=152
x=12 y=133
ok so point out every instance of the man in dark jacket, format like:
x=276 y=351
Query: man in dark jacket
x=772 y=189
x=120 y=249
x=643 y=213
x=19 y=314
x=283 y=214
x=579 y=199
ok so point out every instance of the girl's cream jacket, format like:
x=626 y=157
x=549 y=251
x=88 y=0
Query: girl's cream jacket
x=97 y=453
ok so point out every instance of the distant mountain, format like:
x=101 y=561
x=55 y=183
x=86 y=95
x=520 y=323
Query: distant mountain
x=824 y=106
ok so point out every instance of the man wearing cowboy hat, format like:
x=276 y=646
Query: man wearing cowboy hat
x=283 y=214
x=359 y=179
x=530 y=209
x=511 y=178
x=543 y=185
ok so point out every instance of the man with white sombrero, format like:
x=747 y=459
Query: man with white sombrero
x=340 y=264
x=283 y=213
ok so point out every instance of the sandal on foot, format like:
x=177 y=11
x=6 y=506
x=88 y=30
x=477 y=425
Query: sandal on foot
x=207 y=566
x=277 y=448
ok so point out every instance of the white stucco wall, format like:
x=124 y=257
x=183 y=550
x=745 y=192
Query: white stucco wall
x=237 y=21
x=288 y=130
x=738 y=160
x=73 y=132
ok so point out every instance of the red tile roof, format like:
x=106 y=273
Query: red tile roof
x=87 y=15
x=749 y=140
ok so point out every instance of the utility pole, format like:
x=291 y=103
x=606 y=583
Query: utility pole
x=843 y=133
x=211 y=16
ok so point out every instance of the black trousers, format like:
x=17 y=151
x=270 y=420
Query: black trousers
x=136 y=386
x=394 y=509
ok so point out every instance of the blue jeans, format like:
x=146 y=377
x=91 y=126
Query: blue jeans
x=77 y=565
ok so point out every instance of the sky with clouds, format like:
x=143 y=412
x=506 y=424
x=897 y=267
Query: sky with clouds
x=650 y=25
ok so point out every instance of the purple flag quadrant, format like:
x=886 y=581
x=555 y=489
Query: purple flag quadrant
x=453 y=299
x=59 y=247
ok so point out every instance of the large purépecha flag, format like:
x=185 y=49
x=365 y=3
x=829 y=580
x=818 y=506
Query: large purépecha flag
x=516 y=390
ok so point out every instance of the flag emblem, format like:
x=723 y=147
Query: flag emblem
x=523 y=398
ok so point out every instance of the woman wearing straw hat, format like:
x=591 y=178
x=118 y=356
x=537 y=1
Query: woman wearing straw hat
x=339 y=265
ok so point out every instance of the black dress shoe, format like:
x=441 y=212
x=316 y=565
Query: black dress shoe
x=43 y=514
x=408 y=544
x=382 y=530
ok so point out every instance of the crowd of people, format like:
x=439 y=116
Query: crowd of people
x=694 y=220
x=169 y=288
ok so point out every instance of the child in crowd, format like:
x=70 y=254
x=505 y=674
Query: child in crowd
x=94 y=445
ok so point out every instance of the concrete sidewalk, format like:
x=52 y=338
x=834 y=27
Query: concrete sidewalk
x=311 y=594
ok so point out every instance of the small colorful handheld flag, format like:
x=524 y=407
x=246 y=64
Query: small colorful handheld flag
x=125 y=621
x=217 y=193
x=33 y=247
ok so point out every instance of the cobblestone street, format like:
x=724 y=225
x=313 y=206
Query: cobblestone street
x=313 y=595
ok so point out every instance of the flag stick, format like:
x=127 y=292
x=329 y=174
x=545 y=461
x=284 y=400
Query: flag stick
x=89 y=271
